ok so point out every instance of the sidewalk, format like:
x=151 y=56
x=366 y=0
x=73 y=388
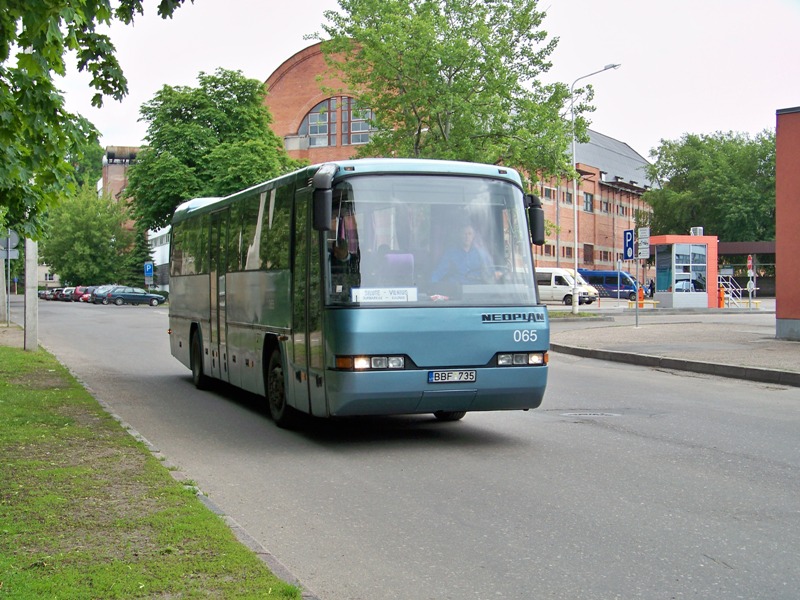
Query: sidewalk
x=737 y=343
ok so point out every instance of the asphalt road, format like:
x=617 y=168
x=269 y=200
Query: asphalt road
x=627 y=483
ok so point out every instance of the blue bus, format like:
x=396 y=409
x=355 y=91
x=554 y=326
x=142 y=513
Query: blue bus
x=365 y=287
x=612 y=284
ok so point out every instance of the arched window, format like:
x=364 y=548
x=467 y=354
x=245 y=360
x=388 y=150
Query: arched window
x=321 y=123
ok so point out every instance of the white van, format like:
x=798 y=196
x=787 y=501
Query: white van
x=556 y=285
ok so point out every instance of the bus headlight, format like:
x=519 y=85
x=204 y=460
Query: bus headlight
x=370 y=363
x=518 y=359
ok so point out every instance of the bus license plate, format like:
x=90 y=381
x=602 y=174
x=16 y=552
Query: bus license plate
x=451 y=376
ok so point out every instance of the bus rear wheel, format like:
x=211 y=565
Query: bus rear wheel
x=284 y=415
x=199 y=378
x=449 y=415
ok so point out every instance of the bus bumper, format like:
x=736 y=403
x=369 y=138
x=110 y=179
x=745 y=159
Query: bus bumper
x=408 y=392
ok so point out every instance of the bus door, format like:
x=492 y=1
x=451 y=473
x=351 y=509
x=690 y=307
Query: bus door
x=218 y=337
x=306 y=372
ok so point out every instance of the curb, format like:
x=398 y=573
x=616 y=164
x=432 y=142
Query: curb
x=762 y=375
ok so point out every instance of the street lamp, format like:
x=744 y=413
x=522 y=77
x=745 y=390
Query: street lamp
x=575 y=290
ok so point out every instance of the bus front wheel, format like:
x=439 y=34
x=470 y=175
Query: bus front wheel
x=449 y=415
x=284 y=415
x=196 y=360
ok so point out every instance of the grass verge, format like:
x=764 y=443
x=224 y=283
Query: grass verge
x=86 y=511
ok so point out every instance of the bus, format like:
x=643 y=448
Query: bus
x=612 y=284
x=347 y=289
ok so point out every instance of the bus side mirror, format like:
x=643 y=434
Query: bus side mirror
x=323 y=202
x=535 y=219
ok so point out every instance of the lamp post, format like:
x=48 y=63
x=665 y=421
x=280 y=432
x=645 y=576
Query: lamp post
x=575 y=290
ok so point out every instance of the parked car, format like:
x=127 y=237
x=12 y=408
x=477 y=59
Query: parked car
x=78 y=293
x=87 y=293
x=66 y=294
x=130 y=295
x=99 y=294
x=52 y=294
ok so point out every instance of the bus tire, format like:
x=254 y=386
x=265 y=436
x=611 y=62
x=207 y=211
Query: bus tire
x=449 y=415
x=200 y=379
x=632 y=296
x=284 y=415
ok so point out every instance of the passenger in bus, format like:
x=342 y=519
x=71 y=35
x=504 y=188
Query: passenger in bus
x=341 y=259
x=466 y=263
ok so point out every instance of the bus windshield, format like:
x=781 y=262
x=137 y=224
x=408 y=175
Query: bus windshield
x=428 y=240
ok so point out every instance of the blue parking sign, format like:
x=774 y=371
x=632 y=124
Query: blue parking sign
x=148 y=269
x=627 y=244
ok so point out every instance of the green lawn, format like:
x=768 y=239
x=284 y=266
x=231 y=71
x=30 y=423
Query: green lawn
x=87 y=512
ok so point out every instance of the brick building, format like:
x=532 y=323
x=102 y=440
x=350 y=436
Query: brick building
x=320 y=126
x=613 y=178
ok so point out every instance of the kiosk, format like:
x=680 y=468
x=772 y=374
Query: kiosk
x=686 y=270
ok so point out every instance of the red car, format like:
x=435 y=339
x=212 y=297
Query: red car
x=78 y=292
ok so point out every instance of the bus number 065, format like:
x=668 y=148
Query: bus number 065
x=525 y=335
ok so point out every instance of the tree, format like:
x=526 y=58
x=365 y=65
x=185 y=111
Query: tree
x=131 y=270
x=723 y=182
x=86 y=238
x=211 y=140
x=88 y=163
x=455 y=79
x=37 y=134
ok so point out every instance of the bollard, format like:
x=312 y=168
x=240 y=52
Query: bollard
x=641 y=297
x=721 y=297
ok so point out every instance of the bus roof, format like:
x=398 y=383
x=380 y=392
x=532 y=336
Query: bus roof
x=351 y=167
x=421 y=165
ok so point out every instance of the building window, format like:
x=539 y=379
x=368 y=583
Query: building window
x=566 y=251
x=622 y=211
x=550 y=194
x=588 y=202
x=588 y=253
x=549 y=250
x=49 y=277
x=320 y=124
x=567 y=197
x=356 y=121
x=605 y=206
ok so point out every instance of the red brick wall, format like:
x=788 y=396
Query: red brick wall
x=787 y=214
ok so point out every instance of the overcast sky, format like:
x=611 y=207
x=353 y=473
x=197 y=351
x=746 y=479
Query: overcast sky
x=688 y=66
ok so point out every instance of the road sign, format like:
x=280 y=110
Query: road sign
x=627 y=244
x=643 y=242
x=11 y=254
x=148 y=269
x=9 y=242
